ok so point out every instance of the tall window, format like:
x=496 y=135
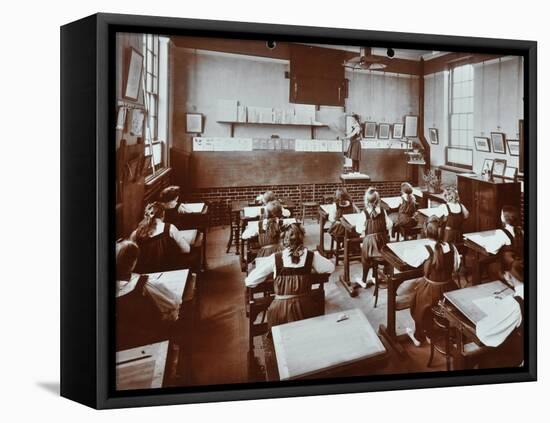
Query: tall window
x=154 y=145
x=462 y=107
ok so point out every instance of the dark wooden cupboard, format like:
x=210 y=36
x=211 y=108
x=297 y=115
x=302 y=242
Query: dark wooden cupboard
x=317 y=76
x=484 y=200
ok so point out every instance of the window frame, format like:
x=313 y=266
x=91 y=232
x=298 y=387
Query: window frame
x=467 y=95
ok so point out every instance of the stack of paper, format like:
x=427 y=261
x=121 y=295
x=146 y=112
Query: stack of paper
x=491 y=241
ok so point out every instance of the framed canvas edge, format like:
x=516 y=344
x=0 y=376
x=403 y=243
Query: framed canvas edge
x=104 y=219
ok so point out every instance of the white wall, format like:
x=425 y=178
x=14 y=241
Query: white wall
x=498 y=106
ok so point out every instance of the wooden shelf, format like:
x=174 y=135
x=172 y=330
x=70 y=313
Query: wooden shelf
x=303 y=125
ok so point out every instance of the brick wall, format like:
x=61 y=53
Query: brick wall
x=219 y=199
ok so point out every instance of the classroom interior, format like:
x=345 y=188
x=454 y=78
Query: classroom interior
x=228 y=120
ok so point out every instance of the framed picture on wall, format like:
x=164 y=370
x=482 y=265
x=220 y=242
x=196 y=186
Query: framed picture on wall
x=499 y=167
x=482 y=144
x=133 y=74
x=487 y=166
x=397 y=132
x=510 y=172
x=498 y=141
x=411 y=126
x=384 y=131
x=193 y=123
x=434 y=135
x=370 y=129
x=513 y=147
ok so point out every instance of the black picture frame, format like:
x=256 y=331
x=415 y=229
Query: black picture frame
x=370 y=129
x=384 y=131
x=397 y=131
x=513 y=147
x=87 y=173
x=498 y=142
x=482 y=144
x=499 y=167
x=133 y=75
x=434 y=135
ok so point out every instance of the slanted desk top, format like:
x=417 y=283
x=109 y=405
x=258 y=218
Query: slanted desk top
x=314 y=345
x=158 y=351
x=463 y=299
x=175 y=280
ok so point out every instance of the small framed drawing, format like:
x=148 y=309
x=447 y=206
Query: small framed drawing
x=498 y=140
x=370 y=129
x=510 y=172
x=146 y=164
x=384 y=131
x=487 y=166
x=499 y=167
x=434 y=135
x=513 y=147
x=397 y=132
x=193 y=123
x=482 y=144
x=411 y=126
x=134 y=70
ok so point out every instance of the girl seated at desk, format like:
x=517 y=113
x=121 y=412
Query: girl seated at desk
x=342 y=205
x=143 y=311
x=291 y=269
x=162 y=246
x=454 y=214
x=443 y=260
x=266 y=198
x=405 y=217
x=374 y=223
x=268 y=233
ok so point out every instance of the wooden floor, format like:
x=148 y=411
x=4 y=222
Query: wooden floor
x=220 y=353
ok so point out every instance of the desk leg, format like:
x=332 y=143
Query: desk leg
x=238 y=236
x=345 y=278
x=321 y=246
x=389 y=332
x=204 y=248
x=476 y=270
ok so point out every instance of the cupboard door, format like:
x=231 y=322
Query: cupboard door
x=487 y=206
x=466 y=190
x=319 y=91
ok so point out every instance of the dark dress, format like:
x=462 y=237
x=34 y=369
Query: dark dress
x=293 y=296
x=405 y=218
x=160 y=253
x=265 y=244
x=512 y=255
x=354 y=148
x=138 y=319
x=172 y=215
x=376 y=235
x=336 y=229
x=430 y=289
x=453 y=226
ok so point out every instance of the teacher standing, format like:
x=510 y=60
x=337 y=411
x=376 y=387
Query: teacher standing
x=354 y=149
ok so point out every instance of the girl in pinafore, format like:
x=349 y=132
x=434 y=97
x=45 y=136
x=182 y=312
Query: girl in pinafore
x=407 y=209
x=454 y=214
x=443 y=260
x=162 y=247
x=269 y=231
x=374 y=223
x=342 y=205
x=354 y=148
x=292 y=269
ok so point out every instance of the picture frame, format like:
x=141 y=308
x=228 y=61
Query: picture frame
x=510 y=172
x=384 y=131
x=134 y=73
x=487 y=166
x=498 y=142
x=397 y=131
x=513 y=147
x=482 y=144
x=499 y=167
x=411 y=126
x=434 y=136
x=194 y=123
x=370 y=129
x=87 y=331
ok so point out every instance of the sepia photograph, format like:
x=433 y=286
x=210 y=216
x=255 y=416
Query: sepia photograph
x=266 y=231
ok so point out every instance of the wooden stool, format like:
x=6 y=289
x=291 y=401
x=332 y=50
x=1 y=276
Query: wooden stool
x=308 y=204
x=375 y=263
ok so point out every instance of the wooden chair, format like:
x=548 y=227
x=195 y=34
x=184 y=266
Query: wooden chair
x=234 y=229
x=337 y=247
x=438 y=332
x=308 y=204
x=379 y=283
x=408 y=233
